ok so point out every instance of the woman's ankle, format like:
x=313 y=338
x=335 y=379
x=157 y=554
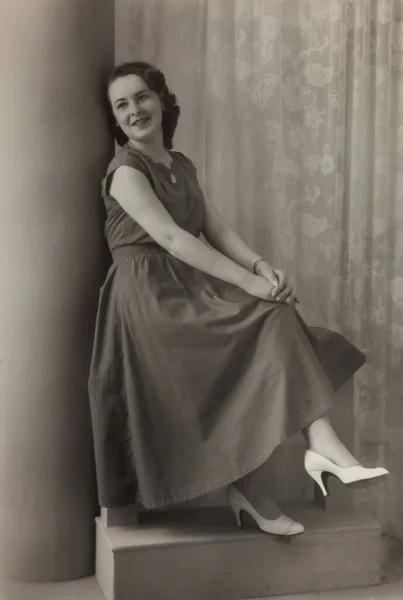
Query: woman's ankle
x=259 y=498
x=336 y=453
x=322 y=439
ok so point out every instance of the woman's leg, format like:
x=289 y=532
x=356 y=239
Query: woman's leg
x=254 y=488
x=322 y=439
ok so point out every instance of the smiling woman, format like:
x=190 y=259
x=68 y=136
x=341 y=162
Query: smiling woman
x=143 y=108
x=138 y=111
x=201 y=364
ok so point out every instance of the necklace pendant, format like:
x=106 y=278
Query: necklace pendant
x=173 y=178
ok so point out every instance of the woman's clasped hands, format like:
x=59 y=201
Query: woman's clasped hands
x=270 y=283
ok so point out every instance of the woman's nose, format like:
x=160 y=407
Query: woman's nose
x=133 y=108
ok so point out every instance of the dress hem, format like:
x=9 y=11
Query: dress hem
x=229 y=480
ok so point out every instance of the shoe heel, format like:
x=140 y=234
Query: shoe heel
x=317 y=477
x=238 y=516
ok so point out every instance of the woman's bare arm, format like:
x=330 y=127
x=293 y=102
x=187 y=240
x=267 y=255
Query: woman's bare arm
x=227 y=241
x=133 y=192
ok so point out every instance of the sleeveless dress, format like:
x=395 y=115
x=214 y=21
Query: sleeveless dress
x=193 y=382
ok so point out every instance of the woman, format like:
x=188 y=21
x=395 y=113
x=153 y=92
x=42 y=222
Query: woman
x=201 y=364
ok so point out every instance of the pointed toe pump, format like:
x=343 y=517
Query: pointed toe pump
x=281 y=526
x=317 y=466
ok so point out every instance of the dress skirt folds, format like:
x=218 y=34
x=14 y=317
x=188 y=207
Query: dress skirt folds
x=194 y=382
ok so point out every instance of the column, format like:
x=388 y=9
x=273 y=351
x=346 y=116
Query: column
x=54 y=149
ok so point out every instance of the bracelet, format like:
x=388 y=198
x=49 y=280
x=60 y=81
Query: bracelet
x=256 y=263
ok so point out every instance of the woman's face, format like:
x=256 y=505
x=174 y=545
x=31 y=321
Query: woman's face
x=136 y=108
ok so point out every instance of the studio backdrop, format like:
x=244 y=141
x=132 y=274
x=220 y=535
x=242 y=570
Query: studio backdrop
x=293 y=112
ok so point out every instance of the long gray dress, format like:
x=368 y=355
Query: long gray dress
x=193 y=382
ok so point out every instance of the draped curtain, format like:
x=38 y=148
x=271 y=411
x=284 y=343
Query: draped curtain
x=292 y=111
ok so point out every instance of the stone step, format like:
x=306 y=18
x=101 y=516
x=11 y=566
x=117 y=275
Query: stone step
x=200 y=554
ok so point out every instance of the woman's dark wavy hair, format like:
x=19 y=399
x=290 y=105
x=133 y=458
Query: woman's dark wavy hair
x=155 y=81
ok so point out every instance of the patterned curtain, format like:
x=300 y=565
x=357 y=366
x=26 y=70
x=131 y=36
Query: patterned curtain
x=293 y=113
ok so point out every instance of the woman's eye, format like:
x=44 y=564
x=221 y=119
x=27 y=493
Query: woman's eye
x=120 y=106
x=142 y=97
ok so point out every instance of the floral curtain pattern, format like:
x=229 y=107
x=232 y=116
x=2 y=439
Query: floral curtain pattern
x=293 y=113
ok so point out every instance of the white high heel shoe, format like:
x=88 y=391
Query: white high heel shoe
x=281 y=526
x=317 y=465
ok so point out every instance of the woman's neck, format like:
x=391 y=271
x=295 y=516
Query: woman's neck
x=154 y=148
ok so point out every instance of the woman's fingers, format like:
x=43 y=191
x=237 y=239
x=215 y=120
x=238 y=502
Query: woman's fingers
x=282 y=283
x=282 y=291
x=285 y=294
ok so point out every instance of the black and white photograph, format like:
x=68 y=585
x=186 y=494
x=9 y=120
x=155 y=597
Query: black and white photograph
x=201 y=303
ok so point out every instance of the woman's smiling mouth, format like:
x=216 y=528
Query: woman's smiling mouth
x=140 y=122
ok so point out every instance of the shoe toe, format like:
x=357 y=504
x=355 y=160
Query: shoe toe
x=296 y=529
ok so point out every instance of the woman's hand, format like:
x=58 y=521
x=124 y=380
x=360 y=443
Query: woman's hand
x=282 y=290
x=259 y=287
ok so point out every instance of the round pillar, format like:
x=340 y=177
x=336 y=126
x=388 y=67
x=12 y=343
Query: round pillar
x=54 y=148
